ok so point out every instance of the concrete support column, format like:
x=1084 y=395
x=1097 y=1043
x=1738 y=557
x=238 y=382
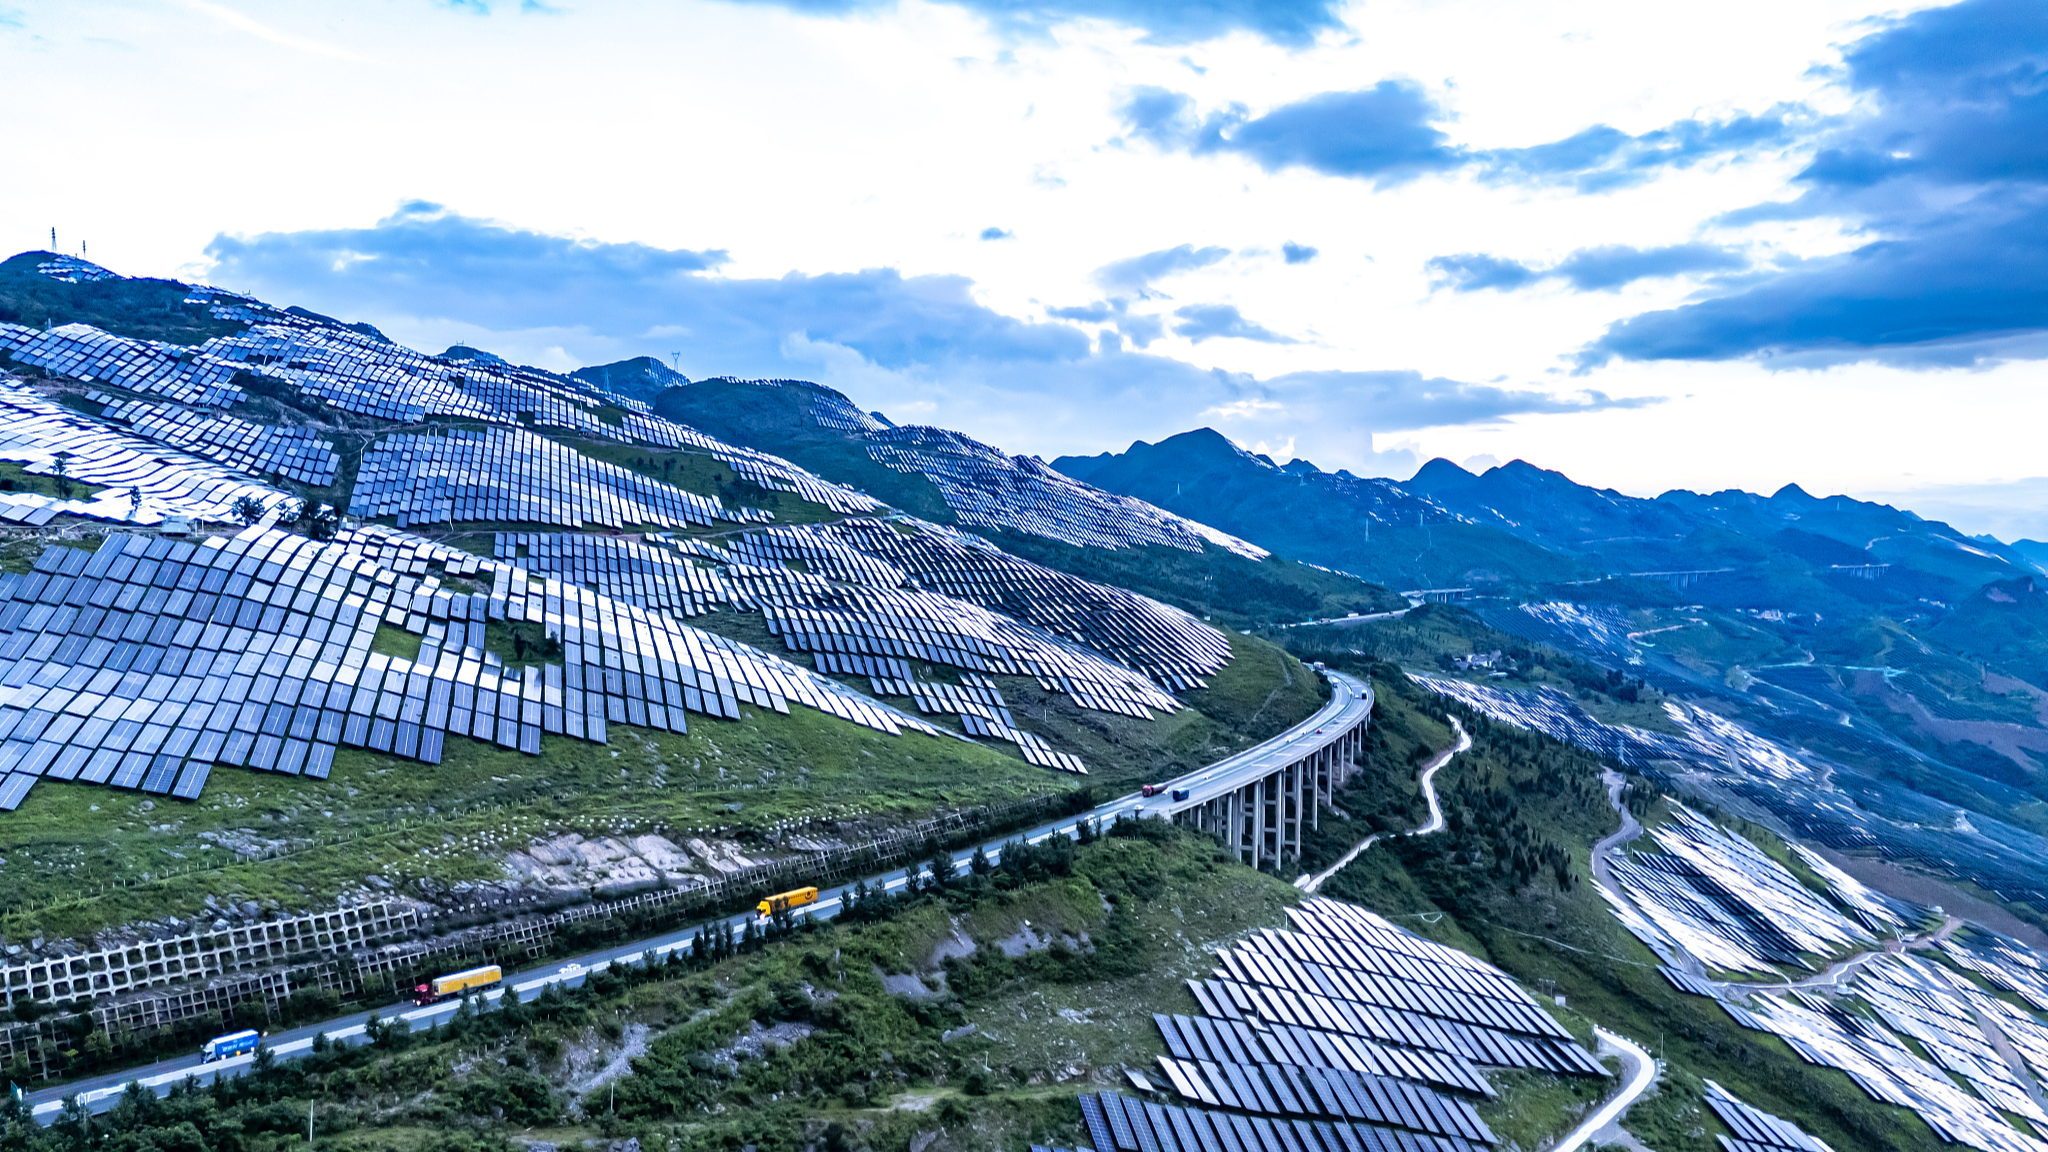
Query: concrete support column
x=1258 y=822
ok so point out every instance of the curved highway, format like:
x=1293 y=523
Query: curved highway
x=1350 y=701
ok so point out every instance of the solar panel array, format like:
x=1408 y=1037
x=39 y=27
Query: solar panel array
x=1722 y=900
x=297 y=454
x=1345 y=1033
x=1346 y=972
x=1755 y=1129
x=849 y=602
x=987 y=489
x=1962 y=1087
x=510 y=474
x=907 y=588
x=2005 y=962
x=1164 y=643
x=859 y=588
x=1878 y=911
x=146 y=663
x=36 y=432
x=655 y=572
x=73 y=270
x=83 y=352
x=1124 y=1124
x=357 y=371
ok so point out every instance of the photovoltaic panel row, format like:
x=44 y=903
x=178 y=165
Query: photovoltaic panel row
x=512 y=475
x=146 y=662
x=1225 y=1041
x=866 y=606
x=297 y=454
x=1125 y=1124
x=94 y=453
x=1336 y=1093
x=360 y=372
x=1756 y=1130
x=987 y=489
x=1349 y=1016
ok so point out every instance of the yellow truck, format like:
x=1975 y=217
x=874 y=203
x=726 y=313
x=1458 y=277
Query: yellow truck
x=784 y=901
x=456 y=983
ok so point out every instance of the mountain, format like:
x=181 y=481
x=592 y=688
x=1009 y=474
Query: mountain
x=1030 y=509
x=642 y=377
x=1372 y=527
x=597 y=656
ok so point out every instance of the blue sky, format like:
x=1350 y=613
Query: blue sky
x=1652 y=246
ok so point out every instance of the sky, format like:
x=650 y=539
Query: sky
x=1652 y=246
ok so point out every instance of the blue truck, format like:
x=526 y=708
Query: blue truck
x=232 y=1044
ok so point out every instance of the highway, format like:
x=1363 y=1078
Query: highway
x=1350 y=701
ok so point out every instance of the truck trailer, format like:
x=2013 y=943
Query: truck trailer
x=784 y=901
x=456 y=983
x=232 y=1044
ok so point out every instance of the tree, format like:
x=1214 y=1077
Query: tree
x=318 y=521
x=62 y=468
x=248 y=509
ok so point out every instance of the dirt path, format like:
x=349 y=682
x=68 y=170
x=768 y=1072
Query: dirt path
x=1436 y=812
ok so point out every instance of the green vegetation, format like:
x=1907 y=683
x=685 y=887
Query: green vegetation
x=81 y=858
x=15 y=477
x=809 y=1035
x=20 y=548
x=144 y=309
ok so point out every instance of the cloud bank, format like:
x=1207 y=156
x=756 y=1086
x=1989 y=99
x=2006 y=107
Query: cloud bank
x=917 y=344
x=1945 y=163
x=1388 y=134
x=1606 y=268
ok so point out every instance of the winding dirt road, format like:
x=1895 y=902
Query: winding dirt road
x=1427 y=782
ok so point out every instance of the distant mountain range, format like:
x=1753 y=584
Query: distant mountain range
x=1525 y=527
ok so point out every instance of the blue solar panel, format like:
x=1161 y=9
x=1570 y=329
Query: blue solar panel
x=14 y=789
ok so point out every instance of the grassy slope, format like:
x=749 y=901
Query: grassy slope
x=145 y=309
x=377 y=815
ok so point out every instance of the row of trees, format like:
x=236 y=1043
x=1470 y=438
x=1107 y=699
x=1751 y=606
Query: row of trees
x=317 y=520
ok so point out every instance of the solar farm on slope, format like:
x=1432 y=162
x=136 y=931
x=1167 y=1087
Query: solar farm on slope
x=148 y=662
